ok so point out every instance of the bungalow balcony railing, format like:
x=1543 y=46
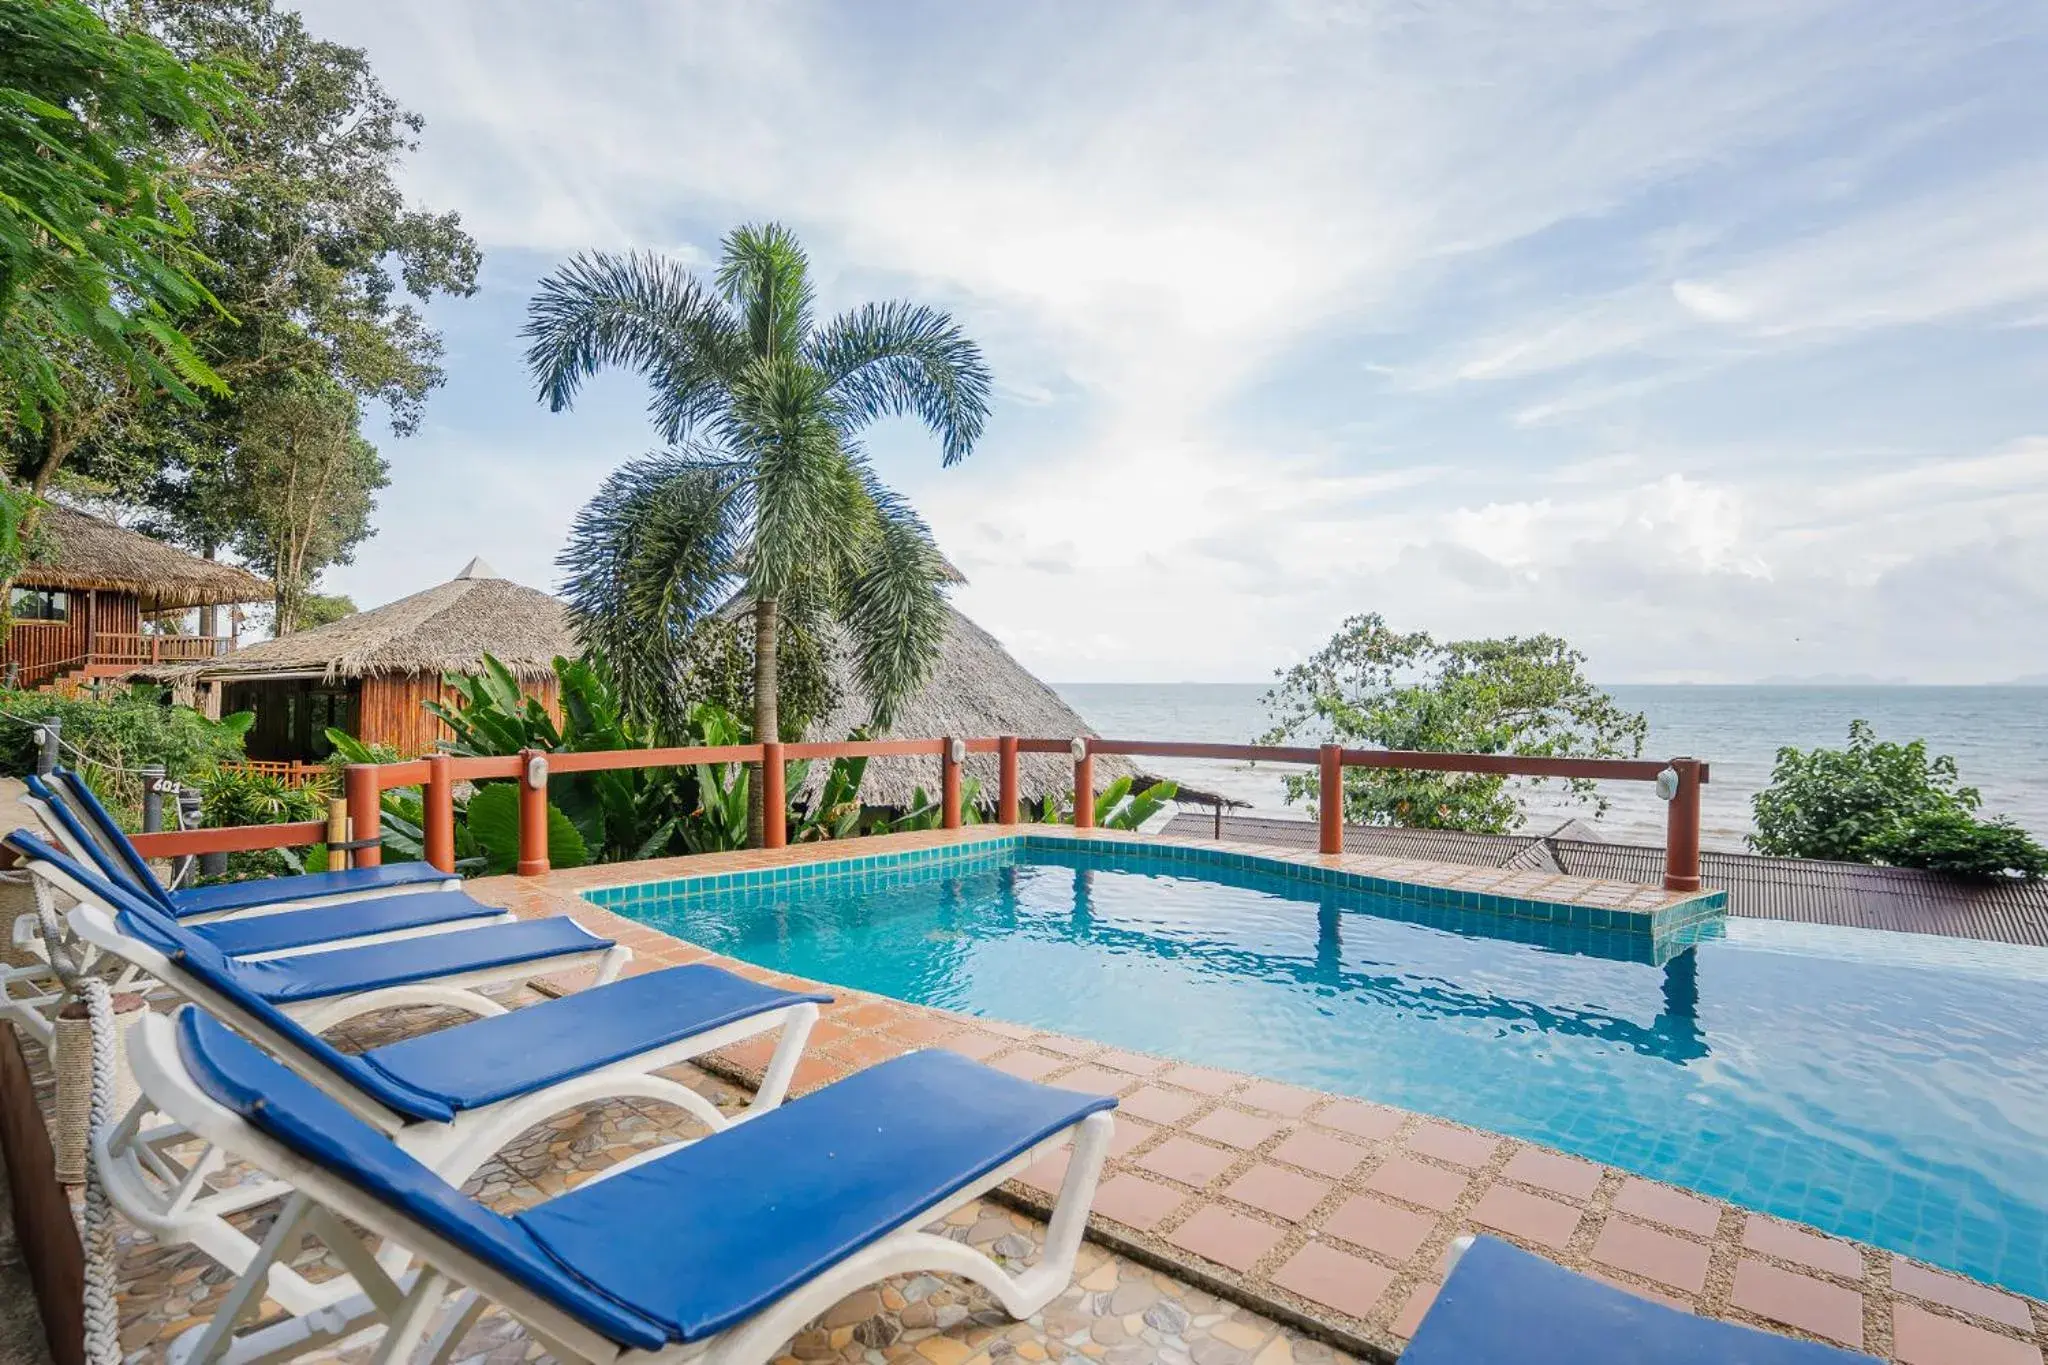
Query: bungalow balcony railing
x=158 y=649
x=1678 y=781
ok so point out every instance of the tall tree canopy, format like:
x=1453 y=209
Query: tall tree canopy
x=318 y=261
x=764 y=490
x=1373 y=686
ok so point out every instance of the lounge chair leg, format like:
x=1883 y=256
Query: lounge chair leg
x=455 y=1324
x=248 y=1291
x=1040 y=1285
x=789 y=1050
x=409 y=1324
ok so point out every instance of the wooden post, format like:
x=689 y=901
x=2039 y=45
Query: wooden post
x=438 y=804
x=43 y=1224
x=1682 y=829
x=949 y=786
x=337 y=833
x=1084 y=785
x=365 y=813
x=1006 y=791
x=774 y=797
x=1330 y=797
x=533 y=813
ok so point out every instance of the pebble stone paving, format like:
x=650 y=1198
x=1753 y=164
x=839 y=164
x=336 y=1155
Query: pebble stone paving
x=1240 y=1221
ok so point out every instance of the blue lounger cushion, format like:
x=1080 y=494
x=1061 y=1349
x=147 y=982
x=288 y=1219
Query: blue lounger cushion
x=263 y=1091
x=700 y=1239
x=530 y=1049
x=207 y=900
x=710 y=1235
x=72 y=803
x=315 y=925
x=1504 y=1306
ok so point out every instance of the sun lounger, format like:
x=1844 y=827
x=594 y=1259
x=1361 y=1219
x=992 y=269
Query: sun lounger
x=716 y=1252
x=75 y=817
x=1505 y=1306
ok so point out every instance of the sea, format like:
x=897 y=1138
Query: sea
x=1998 y=736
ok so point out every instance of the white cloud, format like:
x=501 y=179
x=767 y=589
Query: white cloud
x=1307 y=311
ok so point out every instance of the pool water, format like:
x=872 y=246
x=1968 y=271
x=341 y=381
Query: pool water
x=1886 y=1087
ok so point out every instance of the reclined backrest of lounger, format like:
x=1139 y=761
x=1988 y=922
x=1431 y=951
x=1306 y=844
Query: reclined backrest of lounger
x=228 y=981
x=72 y=804
x=293 y=1113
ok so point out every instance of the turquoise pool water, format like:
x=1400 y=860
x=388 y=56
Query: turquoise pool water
x=1886 y=1087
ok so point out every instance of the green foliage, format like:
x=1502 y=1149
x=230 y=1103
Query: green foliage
x=1370 y=686
x=836 y=812
x=96 y=262
x=492 y=819
x=234 y=796
x=1882 y=802
x=125 y=730
x=928 y=812
x=764 y=493
x=1116 y=806
x=719 y=820
x=323 y=609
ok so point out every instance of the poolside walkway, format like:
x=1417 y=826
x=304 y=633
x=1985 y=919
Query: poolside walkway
x=1333 y=1215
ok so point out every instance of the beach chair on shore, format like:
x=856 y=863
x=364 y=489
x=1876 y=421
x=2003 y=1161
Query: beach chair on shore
x=714 y=1252
x=76 y=819
x=1505 y=1306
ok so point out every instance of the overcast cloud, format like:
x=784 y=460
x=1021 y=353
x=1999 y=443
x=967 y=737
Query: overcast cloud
x=1713 y=337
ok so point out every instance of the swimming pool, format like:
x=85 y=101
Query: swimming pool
x=1887 y=1087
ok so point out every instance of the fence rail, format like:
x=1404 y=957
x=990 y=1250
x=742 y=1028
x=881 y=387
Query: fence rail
x=1679 y=781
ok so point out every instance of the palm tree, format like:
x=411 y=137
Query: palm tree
x=764 y=491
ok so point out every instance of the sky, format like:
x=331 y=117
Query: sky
x=1713 y=338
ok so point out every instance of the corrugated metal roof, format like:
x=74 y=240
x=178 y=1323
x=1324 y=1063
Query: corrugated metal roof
x=1808 y=891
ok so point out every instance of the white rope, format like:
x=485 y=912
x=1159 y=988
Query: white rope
x=70 y=960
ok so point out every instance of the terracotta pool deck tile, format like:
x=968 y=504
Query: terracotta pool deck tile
x=1527 y=1217
x=1458 y=1146
x=1093 y=1080
x=1135 y=1201
x=1233 y=1239
x=1360 y=1119
x=1655 y=1255
x=1235 y=1129
x=1673 y=1208
x=1801 y=1301
x=1788 y=1243
x=1394 y=1232
x=1278 y=1191
x=1128 y=1135
x=1289 y=1101
x=1417 y=1182
x=974 y=1044
x=1350 y=1284
x=1154 y=1105
x=1137 y=1063
x=1658 y=1293
x=1188 y=1161
x=1060 y=1043
x=1923 y=1338
x=1028 y=1064
x=1321 y=1152
x=1552 y=1171
x=1414 y=1307
x=865 y=1049
x=1201 y=1079
x=1962 y=1295
x=1045 y=1174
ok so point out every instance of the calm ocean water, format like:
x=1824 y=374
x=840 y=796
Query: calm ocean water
x=1999 y=736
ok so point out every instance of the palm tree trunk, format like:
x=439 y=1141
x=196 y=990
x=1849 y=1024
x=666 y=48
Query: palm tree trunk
x=767 y=726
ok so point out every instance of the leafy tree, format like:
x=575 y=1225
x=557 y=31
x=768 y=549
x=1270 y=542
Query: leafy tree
x=306 y=484
x=119 y=733
x=1375 y=687
x=1882 y=802
x=95 y=261
x=323 y=609
x=764 y=491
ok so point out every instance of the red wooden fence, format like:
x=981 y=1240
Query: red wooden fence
x=436 y=776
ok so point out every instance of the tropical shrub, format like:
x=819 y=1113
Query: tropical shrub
x=1116 y=806
x=119 y=733
x=1882 y=802
x=1373 y=687
x=234 y=796
x=926 y=811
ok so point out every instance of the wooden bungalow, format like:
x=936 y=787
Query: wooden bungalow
x=103 y=601
x=371 y=674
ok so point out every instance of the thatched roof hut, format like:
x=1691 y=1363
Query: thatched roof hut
x=447 y=628
x=977 y=690
x=372 y=673
x=88 y=554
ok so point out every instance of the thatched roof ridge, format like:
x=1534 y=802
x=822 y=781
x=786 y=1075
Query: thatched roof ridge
x=88 y=553
x=976 y=691
x=447 y=628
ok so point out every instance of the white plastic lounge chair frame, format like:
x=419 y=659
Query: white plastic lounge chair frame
x=408 y=1305
x=69 y=842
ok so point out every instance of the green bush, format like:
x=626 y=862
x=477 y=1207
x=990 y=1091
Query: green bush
x=124 y=731
x=1880 y=802
x=230 y=796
